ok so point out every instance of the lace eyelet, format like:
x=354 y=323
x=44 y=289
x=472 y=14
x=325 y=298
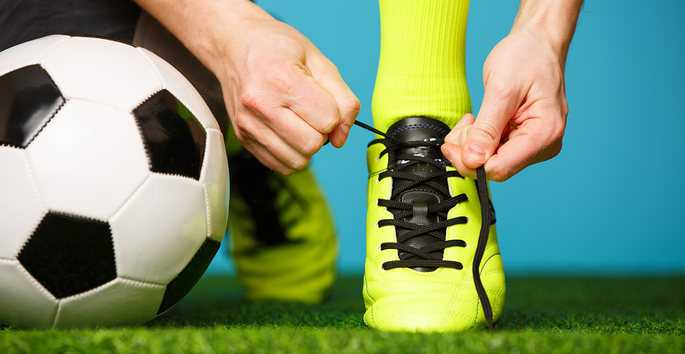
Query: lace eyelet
x=380 y=268
x=378 y=226
x=379 y=248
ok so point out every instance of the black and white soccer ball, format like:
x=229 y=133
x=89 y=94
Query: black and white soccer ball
x=113 y=182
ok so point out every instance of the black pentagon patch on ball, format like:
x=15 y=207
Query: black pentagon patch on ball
x=69 y=254
x=28 y=100
x=174 y=138
x=188 y=277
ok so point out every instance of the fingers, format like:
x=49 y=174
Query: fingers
x=500 y=102
x=534 y=141
x=296 y=132
x=453 y=153
x=310 y=101
x=458 y=134
x=284 y=97
x=454 y=142
x=327 y=75
x=285 y=118
x=269 y=147
x=511 y=158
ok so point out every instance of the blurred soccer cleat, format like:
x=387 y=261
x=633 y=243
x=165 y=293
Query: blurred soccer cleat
x=283 y=237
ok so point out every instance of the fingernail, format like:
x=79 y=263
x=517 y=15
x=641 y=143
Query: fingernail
x=451 y=136
x=345 y=128
x=463 y=133
x=476 y=152
x=461 y=122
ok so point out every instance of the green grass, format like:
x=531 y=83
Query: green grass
x=545 y=314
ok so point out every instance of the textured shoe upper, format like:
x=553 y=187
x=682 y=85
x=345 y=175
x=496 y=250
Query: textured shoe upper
x=283 y=238
x=420 y=196
x=446 y=272
x=253 y=183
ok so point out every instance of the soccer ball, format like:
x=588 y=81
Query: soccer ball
x=113 y=182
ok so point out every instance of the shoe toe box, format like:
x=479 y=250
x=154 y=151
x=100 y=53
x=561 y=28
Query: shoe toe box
x=424 y=312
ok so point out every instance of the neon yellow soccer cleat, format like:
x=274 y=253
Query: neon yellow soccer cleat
x=424 y=237
x=282 y=232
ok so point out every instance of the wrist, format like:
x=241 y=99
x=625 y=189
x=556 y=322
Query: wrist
x=209 y=29
x=228 y=26
x=552 y=21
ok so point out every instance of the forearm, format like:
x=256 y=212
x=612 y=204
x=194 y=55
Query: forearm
x=555 y=20
x=206 y=28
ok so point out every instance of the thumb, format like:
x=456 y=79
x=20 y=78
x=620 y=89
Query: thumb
x=499 y=105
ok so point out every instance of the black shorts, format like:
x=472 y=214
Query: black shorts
x=24 y=20
x=121 y=20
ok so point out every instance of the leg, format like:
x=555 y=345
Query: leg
x=423 y=258
x=421 y=69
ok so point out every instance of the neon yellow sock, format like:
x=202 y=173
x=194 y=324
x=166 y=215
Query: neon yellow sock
x=421 y=71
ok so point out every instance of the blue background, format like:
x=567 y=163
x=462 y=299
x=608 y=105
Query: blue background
x=611 y=202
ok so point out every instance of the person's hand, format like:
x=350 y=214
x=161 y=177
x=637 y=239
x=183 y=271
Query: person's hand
x=284 y=98
x=523 y=114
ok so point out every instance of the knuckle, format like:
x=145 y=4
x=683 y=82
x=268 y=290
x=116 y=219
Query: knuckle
x=557 y=131
x=313 y=144
x=329 y=123
x=241 y=125
x=558 y=134
x=564 y=109
x=327 y=64
x=330 y=64
x=236 y=129
x=279 y=79
x=244 y=127
x=300 y=163
x=286 y=171
x=250 y=99
x=488 y=131
x=351 y=108
x=502 y=90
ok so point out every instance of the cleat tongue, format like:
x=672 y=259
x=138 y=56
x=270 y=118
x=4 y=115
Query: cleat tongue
x=419 y=129
x=428 y=130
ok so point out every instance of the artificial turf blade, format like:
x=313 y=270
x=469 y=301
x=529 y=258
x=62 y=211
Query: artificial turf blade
x=543 y=314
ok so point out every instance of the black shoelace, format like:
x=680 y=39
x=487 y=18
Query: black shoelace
x=423 y=257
